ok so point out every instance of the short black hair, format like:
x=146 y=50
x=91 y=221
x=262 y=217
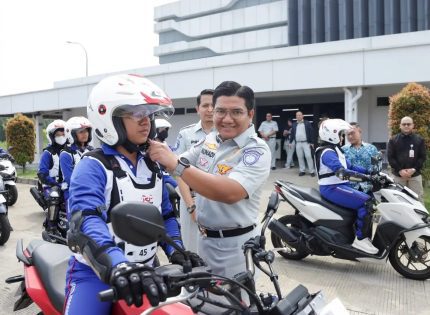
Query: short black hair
x=231 y=88
x=204 y=92
x=354 y=124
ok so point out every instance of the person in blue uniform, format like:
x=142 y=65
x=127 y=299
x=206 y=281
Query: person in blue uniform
x=329 y=160
x=49 y=173
x=121 y=109
x=78 y=133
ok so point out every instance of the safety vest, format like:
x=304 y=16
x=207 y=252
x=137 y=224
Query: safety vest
x=326 y=176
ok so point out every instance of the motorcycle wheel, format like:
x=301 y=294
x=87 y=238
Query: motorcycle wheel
x=12 y=195
x=4 y=229
x=403 y=263
x=289 y=252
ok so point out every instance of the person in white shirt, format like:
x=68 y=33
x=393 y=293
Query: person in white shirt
x=267 y=131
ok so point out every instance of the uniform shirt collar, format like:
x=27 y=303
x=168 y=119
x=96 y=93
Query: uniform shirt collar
x=198 y=126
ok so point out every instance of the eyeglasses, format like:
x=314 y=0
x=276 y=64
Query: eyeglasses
x=234 y=113
x=406 y=124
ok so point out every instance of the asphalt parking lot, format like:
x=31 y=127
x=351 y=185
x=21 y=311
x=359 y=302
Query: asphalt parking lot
x=364 y=288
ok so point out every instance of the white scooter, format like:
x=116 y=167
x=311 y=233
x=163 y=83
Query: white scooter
x=5 y=227
x=319 y=227
x=8 y=172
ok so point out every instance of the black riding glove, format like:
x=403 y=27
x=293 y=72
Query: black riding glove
x=132 y=280
x=179 y=259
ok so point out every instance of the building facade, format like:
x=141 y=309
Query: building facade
x=340 y=58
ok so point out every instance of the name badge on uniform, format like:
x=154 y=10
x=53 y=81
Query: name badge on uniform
x=207 y=156
x=412 y=152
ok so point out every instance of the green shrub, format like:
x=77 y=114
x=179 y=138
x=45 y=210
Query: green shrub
x=21 y=136
x=413 y=101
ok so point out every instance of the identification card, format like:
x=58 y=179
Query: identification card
x=411 y=153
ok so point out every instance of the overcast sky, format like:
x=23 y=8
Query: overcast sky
x=118 y=35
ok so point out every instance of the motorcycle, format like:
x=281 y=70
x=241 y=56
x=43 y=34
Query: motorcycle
x=8 y=172
x=319 y=227
x=53 y=206
x=5 y=227
x=190 y=290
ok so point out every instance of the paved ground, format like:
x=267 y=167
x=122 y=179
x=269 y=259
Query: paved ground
x=364 y=288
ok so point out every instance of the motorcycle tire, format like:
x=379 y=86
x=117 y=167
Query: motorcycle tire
x=12 y=195
x=402 y=262
x=4 y=229
x=289 y=252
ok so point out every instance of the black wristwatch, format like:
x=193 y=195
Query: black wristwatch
x=183 y=163
x=191 y=209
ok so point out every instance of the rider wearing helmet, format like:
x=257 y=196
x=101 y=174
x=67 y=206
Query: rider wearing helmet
x=329 y=160
x=49 y=173
x=78 y=134
x=162 y=128
x=122 y=109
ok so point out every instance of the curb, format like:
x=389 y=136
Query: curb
x=29 y=181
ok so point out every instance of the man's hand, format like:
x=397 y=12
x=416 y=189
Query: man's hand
x=132 y=280
x=405 y=173
x=161 y=153
x=411 y=171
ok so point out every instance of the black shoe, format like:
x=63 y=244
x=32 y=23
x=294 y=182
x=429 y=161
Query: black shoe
x=312 y=174
x=273 y=168
x=302 y=174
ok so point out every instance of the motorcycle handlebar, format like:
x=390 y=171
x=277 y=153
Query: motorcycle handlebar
x=107 y=295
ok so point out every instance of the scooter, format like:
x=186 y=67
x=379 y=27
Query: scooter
x=319 y=227
x=190 y=290
x=5 y=227
x=8 y=172
x=52 y=205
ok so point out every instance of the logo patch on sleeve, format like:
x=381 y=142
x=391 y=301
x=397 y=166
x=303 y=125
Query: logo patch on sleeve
x=251 y=156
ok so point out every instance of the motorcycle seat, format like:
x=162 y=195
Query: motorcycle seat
x=51 y=261
x=313 y=195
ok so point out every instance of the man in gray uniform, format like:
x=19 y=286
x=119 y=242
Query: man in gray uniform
x=229 y=168
x=188 y=136
x=268 y=130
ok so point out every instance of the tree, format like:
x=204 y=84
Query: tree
x=21 y=137
x=413 y=101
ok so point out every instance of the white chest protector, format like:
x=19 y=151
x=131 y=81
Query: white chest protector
x=324 y=170
x=55 y=169
x=148 y=188
x=77 y=155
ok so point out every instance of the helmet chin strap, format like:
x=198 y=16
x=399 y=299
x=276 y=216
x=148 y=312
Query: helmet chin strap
x=134 y=148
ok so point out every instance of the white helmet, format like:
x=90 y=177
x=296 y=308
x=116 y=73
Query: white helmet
x=330 y=130
x=54 y=126
x=73 y=125
x=119 y=95
x=162 y=123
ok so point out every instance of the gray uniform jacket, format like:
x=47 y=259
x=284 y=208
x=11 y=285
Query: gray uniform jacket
x=245 y=159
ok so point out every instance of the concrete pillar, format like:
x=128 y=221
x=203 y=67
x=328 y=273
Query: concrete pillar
x=39 y=137
x=352 y=95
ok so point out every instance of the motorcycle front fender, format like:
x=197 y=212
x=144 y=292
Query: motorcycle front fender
x=412 y=236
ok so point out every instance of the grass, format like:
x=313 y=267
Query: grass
x=29 y=173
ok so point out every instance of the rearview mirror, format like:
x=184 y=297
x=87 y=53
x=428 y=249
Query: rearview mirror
x=138 y=223
x=375 y=159
x=273 y=201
